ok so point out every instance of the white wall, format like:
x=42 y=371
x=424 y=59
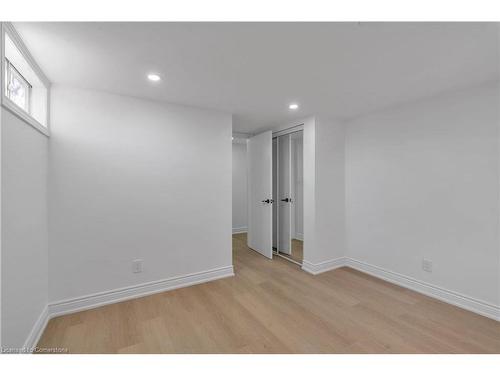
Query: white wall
x=422 y=182
x=309 y=174
x=24 y=228
x=329 y=191
x=131 y=179
x=239 y=187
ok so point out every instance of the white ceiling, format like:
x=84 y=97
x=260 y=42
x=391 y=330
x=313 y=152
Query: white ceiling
x=254 y=70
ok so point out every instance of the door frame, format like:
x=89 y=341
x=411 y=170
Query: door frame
x=308 y=126
x=275 y=135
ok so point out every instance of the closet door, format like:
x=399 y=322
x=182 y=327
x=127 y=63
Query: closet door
x=284 y=198
x=260 y=199
x=275 y=193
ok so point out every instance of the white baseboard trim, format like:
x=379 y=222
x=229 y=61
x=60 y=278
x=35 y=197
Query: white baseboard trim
x=105 y=298
x=453 y=298
x=299 y=236
x=37 y=330
x=240 y=230
x=445 y=295
x=317 y=268
x=113 y=296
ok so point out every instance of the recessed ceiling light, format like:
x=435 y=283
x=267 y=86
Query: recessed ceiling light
x=293 y=106
x=154 y=77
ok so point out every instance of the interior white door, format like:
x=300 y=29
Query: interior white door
x=260 y=199
x=284 y=198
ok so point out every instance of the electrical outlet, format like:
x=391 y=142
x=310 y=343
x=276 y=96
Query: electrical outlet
x=137 y=265
x=427 y=265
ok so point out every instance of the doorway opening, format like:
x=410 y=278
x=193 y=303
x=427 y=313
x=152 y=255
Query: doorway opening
x=288 y=194
x=275 y=196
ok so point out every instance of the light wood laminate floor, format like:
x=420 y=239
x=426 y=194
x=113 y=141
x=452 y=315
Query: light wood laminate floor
x=271 y=306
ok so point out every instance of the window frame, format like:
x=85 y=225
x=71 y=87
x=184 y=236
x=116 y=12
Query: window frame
x=6 y=28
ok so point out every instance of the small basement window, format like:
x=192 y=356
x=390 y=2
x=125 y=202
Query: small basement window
x=25 y=88
x=18 y=89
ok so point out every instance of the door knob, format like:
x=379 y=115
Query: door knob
x=286 y=200
x=267 y=201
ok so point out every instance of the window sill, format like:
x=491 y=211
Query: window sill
x=14 y=109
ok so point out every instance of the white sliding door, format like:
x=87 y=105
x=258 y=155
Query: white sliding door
x=284 y=198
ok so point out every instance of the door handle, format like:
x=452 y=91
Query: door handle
x=286 y=200
x=268 y=201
